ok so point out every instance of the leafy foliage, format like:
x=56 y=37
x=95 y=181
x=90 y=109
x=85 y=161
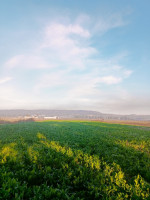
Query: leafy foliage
x=74 y=160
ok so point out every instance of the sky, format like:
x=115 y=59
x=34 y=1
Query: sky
x=78 y=55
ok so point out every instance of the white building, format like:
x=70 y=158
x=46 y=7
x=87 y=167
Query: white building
x=54 y=117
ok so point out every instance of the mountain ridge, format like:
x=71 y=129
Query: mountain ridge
x=69 y=114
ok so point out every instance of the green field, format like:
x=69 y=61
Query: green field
x=74 y=160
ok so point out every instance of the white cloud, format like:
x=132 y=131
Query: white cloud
x=28 y=62
x=68 y=44
x=127 y=73
x=5 y=80
x=14 y=61
x=109 y=22
x=110 y=80
x=62 y=44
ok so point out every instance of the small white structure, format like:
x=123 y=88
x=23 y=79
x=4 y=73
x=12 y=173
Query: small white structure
x=27 y=117
x=54 y=117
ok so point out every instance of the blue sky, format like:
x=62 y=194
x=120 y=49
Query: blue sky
x=63 y=54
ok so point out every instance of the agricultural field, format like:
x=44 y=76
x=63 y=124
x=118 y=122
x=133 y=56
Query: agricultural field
x=74 y=160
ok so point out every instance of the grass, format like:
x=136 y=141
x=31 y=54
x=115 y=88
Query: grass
x=74 y=160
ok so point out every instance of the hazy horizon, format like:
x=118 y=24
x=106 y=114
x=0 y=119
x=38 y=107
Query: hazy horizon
x=75 y=55
x=40 y=109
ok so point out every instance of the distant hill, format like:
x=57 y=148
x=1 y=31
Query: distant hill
x=69 y=114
